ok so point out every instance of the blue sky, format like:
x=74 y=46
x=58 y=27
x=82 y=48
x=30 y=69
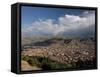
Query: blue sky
x=31 y=14
x=57 y=21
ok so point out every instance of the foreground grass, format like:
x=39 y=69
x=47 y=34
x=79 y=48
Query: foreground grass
x=45 y=63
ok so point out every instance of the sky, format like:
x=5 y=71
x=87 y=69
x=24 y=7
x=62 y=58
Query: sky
x=57 y=21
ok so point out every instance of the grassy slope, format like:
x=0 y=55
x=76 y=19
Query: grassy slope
x=45 y=63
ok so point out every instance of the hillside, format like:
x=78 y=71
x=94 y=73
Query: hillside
x=74 y=52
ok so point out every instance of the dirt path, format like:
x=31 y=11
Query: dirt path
x=25 y=66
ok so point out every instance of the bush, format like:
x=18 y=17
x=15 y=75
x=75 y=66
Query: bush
x=25 y=58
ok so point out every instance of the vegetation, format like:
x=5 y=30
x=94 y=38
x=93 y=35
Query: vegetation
x=45 y=63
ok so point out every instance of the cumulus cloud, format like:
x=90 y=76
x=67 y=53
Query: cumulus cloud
x=67 y=24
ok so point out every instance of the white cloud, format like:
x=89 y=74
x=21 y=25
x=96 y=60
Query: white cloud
x=67 y=23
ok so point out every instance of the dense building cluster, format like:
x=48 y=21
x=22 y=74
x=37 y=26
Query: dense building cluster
x=64 y=51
